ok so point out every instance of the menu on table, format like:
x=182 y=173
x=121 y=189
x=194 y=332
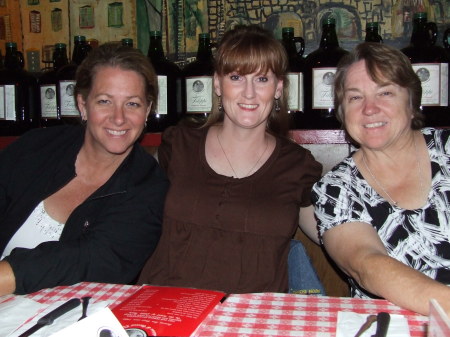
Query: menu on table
x=166 y=311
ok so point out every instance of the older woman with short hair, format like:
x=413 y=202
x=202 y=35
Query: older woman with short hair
x=383 y=212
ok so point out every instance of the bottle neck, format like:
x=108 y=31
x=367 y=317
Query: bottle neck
x=80 y=52
x=372 y=31
x=12 y=60
x=289 y=44
x=329 y=38
x=60 y=59
x=372 y=35
x=420 y=35
x=155 y=51
x=204 y=50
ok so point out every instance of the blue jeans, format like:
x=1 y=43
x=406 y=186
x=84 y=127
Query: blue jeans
x=302 y=275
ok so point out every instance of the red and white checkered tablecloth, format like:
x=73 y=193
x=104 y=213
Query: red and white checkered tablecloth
x=273 y=314
x=112 y=293
x=252 y=315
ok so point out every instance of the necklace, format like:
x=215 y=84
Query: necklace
x=419 y=168
x=229 y=162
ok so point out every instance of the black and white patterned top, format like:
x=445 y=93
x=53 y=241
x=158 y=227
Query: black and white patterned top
x=419 y=238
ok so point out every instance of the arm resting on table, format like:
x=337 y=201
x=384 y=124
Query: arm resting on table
x=359 y=252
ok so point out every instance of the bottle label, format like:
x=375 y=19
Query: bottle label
x=323 y=80
x=161 y=109
x=48 y=101
x=8 y=102
x=199 y=94
x=68 y=108
x=2 y=102
x=434 y=80
x=295 y=99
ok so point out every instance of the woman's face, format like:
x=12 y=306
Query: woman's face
x=376 y=115
x=248 y=99
x=115 y=110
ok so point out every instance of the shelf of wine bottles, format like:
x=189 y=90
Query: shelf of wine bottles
x=30 y=100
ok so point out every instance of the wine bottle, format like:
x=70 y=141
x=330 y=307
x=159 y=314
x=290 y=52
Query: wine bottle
x=430 y=62
x=169 y=82
x=295 y=46
x=18 y=95
x=197 y=84
x=66 y=82
x=50 y=109
x=372 y=34
x=319 y=78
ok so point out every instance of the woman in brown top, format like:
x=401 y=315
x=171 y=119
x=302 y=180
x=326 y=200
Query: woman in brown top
x=237 y=183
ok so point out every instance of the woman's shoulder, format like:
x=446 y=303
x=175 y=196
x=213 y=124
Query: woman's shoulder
x=182 y=132
x=437 y=138
x=341 y=171
x=289 y=146
x=54 y=131
x=40 y=138
x=293 y=150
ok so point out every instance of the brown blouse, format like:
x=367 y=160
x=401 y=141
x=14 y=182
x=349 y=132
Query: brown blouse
x=224 y=233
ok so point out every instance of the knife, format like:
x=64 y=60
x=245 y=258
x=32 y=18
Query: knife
x=52 y=315
x=383 y=319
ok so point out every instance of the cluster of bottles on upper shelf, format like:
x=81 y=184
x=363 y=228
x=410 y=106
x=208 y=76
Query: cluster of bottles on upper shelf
x=186 y=94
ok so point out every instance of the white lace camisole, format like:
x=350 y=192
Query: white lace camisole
x=38 y=228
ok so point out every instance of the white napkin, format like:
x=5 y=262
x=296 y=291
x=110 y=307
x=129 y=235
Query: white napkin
x=348 y=324
x=61 y=322
x=101 y=323
x=15 y=312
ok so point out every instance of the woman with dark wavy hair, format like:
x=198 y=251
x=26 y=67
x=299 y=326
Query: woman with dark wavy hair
x=237 y=183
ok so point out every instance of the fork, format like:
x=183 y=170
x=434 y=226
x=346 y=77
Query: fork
x=85 y=303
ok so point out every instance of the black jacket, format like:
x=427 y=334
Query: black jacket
x=107 y=238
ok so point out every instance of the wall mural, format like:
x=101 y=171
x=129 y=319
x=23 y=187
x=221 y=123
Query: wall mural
x=182 y=20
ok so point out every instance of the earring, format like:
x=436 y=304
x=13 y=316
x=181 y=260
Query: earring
x=277 y=105
x=220 y=106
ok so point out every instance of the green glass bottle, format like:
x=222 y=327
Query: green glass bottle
x=295 y=47
x=50 y=109
x=19 y=94
x=319 y=79
x=197 y=84
x=431 y=63
x=168 y=109
x=66 y=82
x=372 y=34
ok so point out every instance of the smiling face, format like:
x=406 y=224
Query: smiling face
x=115 y=110
x=376 y=114
x=248 y=99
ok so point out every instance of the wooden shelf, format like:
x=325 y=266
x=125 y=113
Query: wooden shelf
x=299 y=136
x=318 y=136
